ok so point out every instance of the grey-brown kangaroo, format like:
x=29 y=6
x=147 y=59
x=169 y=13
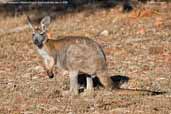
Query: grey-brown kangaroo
x=72 y=53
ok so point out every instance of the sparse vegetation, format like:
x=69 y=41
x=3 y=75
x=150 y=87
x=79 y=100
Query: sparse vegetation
x=137 y=45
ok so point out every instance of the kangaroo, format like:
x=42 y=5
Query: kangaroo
x=72 y=53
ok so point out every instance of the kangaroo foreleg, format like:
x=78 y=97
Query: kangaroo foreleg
x=49 y=64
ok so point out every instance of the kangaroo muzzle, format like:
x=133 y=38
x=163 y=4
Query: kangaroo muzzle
x=38 y=40
x=39 y=44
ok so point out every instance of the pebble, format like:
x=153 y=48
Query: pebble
x=104 y=33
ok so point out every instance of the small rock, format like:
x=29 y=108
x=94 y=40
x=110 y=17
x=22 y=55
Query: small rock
x=104 y=33
x=34 y=77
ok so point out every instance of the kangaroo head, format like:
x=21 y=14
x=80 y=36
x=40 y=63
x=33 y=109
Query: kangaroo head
x=39 y=35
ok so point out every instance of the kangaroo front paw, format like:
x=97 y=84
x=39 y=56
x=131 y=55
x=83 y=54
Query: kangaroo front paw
x=50 y=74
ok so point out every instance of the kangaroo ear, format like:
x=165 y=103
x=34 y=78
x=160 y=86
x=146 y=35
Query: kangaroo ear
x=45 y=23
x=30 y=23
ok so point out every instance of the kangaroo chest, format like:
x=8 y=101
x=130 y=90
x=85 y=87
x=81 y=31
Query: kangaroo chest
x=58 y=57
x=42 y=52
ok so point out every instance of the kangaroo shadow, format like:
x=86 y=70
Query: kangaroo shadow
x=118 y=81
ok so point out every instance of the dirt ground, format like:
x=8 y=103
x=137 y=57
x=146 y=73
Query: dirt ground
x=138 y=50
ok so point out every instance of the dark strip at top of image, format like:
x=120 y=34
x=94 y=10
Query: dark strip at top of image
x=33 y=2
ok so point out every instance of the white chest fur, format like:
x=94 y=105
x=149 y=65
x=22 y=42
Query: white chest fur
x=44 y=53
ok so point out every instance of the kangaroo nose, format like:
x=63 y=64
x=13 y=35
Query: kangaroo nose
x=36 y=41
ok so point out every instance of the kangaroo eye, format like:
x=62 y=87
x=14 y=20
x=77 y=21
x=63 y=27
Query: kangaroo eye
x=33 y=34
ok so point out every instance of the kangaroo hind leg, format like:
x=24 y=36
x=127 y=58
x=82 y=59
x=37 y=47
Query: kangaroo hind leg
x=74 y=87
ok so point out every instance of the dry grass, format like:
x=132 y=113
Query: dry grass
x=138 y=46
